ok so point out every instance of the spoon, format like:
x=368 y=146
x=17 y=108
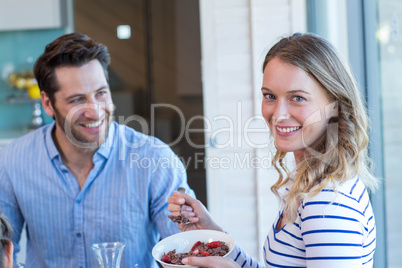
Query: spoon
x=182 y=190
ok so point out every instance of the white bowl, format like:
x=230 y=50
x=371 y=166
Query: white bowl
x=183 y=242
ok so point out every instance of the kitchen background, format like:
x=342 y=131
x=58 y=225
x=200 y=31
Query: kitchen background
x=146 y=67
x=19 y=49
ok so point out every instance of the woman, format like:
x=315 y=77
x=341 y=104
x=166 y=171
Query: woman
x=6 y=245
x=313 y=109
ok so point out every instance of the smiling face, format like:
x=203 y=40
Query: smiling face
x=295 y=106
x=82 y=108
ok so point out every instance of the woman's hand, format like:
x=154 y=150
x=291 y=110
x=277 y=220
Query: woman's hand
x=194 y=210
x=211 y=262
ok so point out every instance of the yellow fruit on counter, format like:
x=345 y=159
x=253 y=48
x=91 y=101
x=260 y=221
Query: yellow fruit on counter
x=12 y=79
x=34 y=92
x=20 y=83
x=30 y=82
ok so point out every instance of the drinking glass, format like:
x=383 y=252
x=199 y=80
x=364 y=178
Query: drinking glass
x=108 y=254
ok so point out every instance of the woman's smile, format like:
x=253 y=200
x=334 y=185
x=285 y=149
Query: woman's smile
x=286 y=130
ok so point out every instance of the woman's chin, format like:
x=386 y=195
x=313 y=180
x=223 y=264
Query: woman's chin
x=289 y=149
x=283 y=146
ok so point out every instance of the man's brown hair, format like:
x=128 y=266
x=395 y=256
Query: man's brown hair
x=74 y=49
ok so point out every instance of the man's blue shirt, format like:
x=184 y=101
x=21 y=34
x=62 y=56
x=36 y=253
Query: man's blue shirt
x=123 y=199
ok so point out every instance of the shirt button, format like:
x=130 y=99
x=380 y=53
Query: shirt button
x=78 y=234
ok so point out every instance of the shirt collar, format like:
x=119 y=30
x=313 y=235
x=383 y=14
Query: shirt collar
x=51 y=147
x=104 y=150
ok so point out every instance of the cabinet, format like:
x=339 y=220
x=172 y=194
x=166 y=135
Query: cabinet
x=28 y=14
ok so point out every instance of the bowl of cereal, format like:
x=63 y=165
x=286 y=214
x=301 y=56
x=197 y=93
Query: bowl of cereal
x=170 y=251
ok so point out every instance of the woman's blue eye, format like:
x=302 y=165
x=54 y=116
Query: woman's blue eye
x=298 y=98
x=269 y=96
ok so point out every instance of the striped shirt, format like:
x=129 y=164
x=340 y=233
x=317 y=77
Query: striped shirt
x=123 y=199
x=332 y=229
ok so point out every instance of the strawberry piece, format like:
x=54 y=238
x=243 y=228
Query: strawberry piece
x=205 y=253
x=196 y=245
x=166 y=259
x=214 y=244
x=195 y=252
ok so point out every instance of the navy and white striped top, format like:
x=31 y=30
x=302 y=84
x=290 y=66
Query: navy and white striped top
x=332 y=229
x=123 y=199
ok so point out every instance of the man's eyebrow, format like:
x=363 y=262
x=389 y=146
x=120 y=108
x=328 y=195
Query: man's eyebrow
x=74 y=96
x=102 y=88
x=80 y=94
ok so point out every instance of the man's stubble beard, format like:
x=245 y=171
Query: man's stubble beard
x=78 y=139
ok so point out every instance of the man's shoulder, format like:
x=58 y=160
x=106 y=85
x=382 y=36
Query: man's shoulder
x=26 y=143
x=142 y=149
x=136 y=140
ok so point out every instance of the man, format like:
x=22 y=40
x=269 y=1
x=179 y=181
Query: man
x=85 y=179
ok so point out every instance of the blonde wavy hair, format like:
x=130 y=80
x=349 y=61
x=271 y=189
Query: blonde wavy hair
x=343 y=153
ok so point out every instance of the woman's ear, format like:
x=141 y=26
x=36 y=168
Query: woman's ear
x=8 y=256
x=335 y=109
x=331 y=110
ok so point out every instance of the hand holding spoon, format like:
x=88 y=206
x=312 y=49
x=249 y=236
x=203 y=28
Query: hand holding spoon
x=180 y=219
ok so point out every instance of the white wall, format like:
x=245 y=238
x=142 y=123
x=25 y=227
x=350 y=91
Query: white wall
x=235 y=36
